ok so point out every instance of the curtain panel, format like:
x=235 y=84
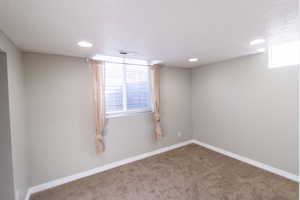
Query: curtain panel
x=97 y=68
x=155 y=73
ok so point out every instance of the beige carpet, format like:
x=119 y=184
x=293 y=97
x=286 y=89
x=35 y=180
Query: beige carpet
x=188 y=173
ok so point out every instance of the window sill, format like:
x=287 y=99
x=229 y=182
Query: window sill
x=126 y=114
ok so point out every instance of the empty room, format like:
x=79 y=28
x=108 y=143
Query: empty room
x=149 y=100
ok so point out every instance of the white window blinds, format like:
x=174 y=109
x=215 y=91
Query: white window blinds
x=127 y=88
x=114 y=87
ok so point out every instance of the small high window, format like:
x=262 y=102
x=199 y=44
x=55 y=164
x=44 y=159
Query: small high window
x=286 y=54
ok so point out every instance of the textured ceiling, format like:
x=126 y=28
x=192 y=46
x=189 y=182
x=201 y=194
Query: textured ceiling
x=167 y=30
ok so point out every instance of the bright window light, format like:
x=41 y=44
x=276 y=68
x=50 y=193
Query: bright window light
x=121 y=60
x=108 y=58
x=155 y=62
x=261 y=50
x=85 y=44
x=135 y=61
x=286 y=54
x=127 y=88
x=193 y=59
x=257 y=41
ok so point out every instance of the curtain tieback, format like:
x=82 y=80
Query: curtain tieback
x=157 y=117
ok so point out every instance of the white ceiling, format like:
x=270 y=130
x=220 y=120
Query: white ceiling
x=167 y=30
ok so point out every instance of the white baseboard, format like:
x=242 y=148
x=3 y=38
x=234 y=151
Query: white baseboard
x=27 y=197
x=60 y=181
x=263 y=166
x=74 y=177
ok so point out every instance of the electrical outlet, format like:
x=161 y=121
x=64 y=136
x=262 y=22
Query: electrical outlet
x=179 y=134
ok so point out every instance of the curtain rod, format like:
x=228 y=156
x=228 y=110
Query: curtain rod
x=124 y=63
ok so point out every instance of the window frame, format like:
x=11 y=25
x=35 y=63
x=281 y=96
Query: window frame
x=125 y=111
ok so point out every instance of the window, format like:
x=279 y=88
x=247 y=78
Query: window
x=127 y=88
x=286 y=54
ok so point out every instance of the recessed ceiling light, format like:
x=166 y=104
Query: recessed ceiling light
x=257 y=41
x=261 y=50
x=85 y=44
x=193 y=59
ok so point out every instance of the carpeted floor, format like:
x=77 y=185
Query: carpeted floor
x=188 y=173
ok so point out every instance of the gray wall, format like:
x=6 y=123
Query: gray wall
x=238 y=105
x=17 y=115
x=244 y=107
x=60 y=118
x=6 y=169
